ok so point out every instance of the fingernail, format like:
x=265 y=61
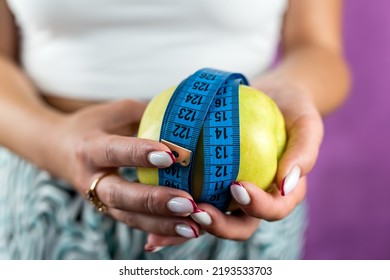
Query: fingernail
x=291 y=180
x=240 y=194
x=201 y=217
x=161 y=158
x=186 y=231
x=181 y=205
x=154 y=249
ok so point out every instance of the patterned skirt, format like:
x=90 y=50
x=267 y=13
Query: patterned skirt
x=42 y=217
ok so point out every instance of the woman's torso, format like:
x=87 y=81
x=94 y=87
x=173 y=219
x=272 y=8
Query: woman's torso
x=96 y=50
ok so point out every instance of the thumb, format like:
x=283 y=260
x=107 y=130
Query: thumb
x=304 y=140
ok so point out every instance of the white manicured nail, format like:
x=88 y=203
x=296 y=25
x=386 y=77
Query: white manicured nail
x=201 y=217
x=291 y=180
x=161 y=158
x=186 y=231
x=181 y=205
x=240 y=194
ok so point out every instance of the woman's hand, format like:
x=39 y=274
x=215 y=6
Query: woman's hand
x=95 y=141
x=304 y=135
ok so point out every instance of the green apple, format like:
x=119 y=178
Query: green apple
x=262 y=138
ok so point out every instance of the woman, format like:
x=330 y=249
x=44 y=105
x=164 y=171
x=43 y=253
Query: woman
x=75 y=78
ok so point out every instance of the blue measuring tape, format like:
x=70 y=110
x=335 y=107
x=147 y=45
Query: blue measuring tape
x=206 y=100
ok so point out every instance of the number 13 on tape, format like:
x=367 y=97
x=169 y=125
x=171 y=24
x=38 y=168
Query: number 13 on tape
x=206 y=100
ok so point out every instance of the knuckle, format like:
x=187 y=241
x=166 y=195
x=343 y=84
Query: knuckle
x=221 y=230
x=150 y=202
x=310 y=120
x=82 y=147
x=131 y=220
x=125 y=104
x=113 y=196
x=166 y=228
x=218 y=233
x=306 y=120
x=135 y=155
x=131 y=152
x=153 y=202
x=124 y=217
x=108 y=150
x=81 y=150
x=279 y=214
x=79 y=181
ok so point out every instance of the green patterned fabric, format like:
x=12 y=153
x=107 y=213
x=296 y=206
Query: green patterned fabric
x=42 y=217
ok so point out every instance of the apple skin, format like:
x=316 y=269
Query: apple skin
x=262 y=139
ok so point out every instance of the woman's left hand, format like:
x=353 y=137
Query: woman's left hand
x=304 y=135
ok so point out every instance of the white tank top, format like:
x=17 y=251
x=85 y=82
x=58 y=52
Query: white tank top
x=115 y=49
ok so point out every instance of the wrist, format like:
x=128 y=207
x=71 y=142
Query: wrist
x=284 y=90
x=48 y=126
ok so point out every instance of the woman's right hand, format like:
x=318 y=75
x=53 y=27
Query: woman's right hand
x=97 y=140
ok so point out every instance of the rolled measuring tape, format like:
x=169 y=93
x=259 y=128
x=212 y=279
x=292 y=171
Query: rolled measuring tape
x=208 y=101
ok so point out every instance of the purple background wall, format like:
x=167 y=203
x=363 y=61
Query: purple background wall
x=349 y=189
